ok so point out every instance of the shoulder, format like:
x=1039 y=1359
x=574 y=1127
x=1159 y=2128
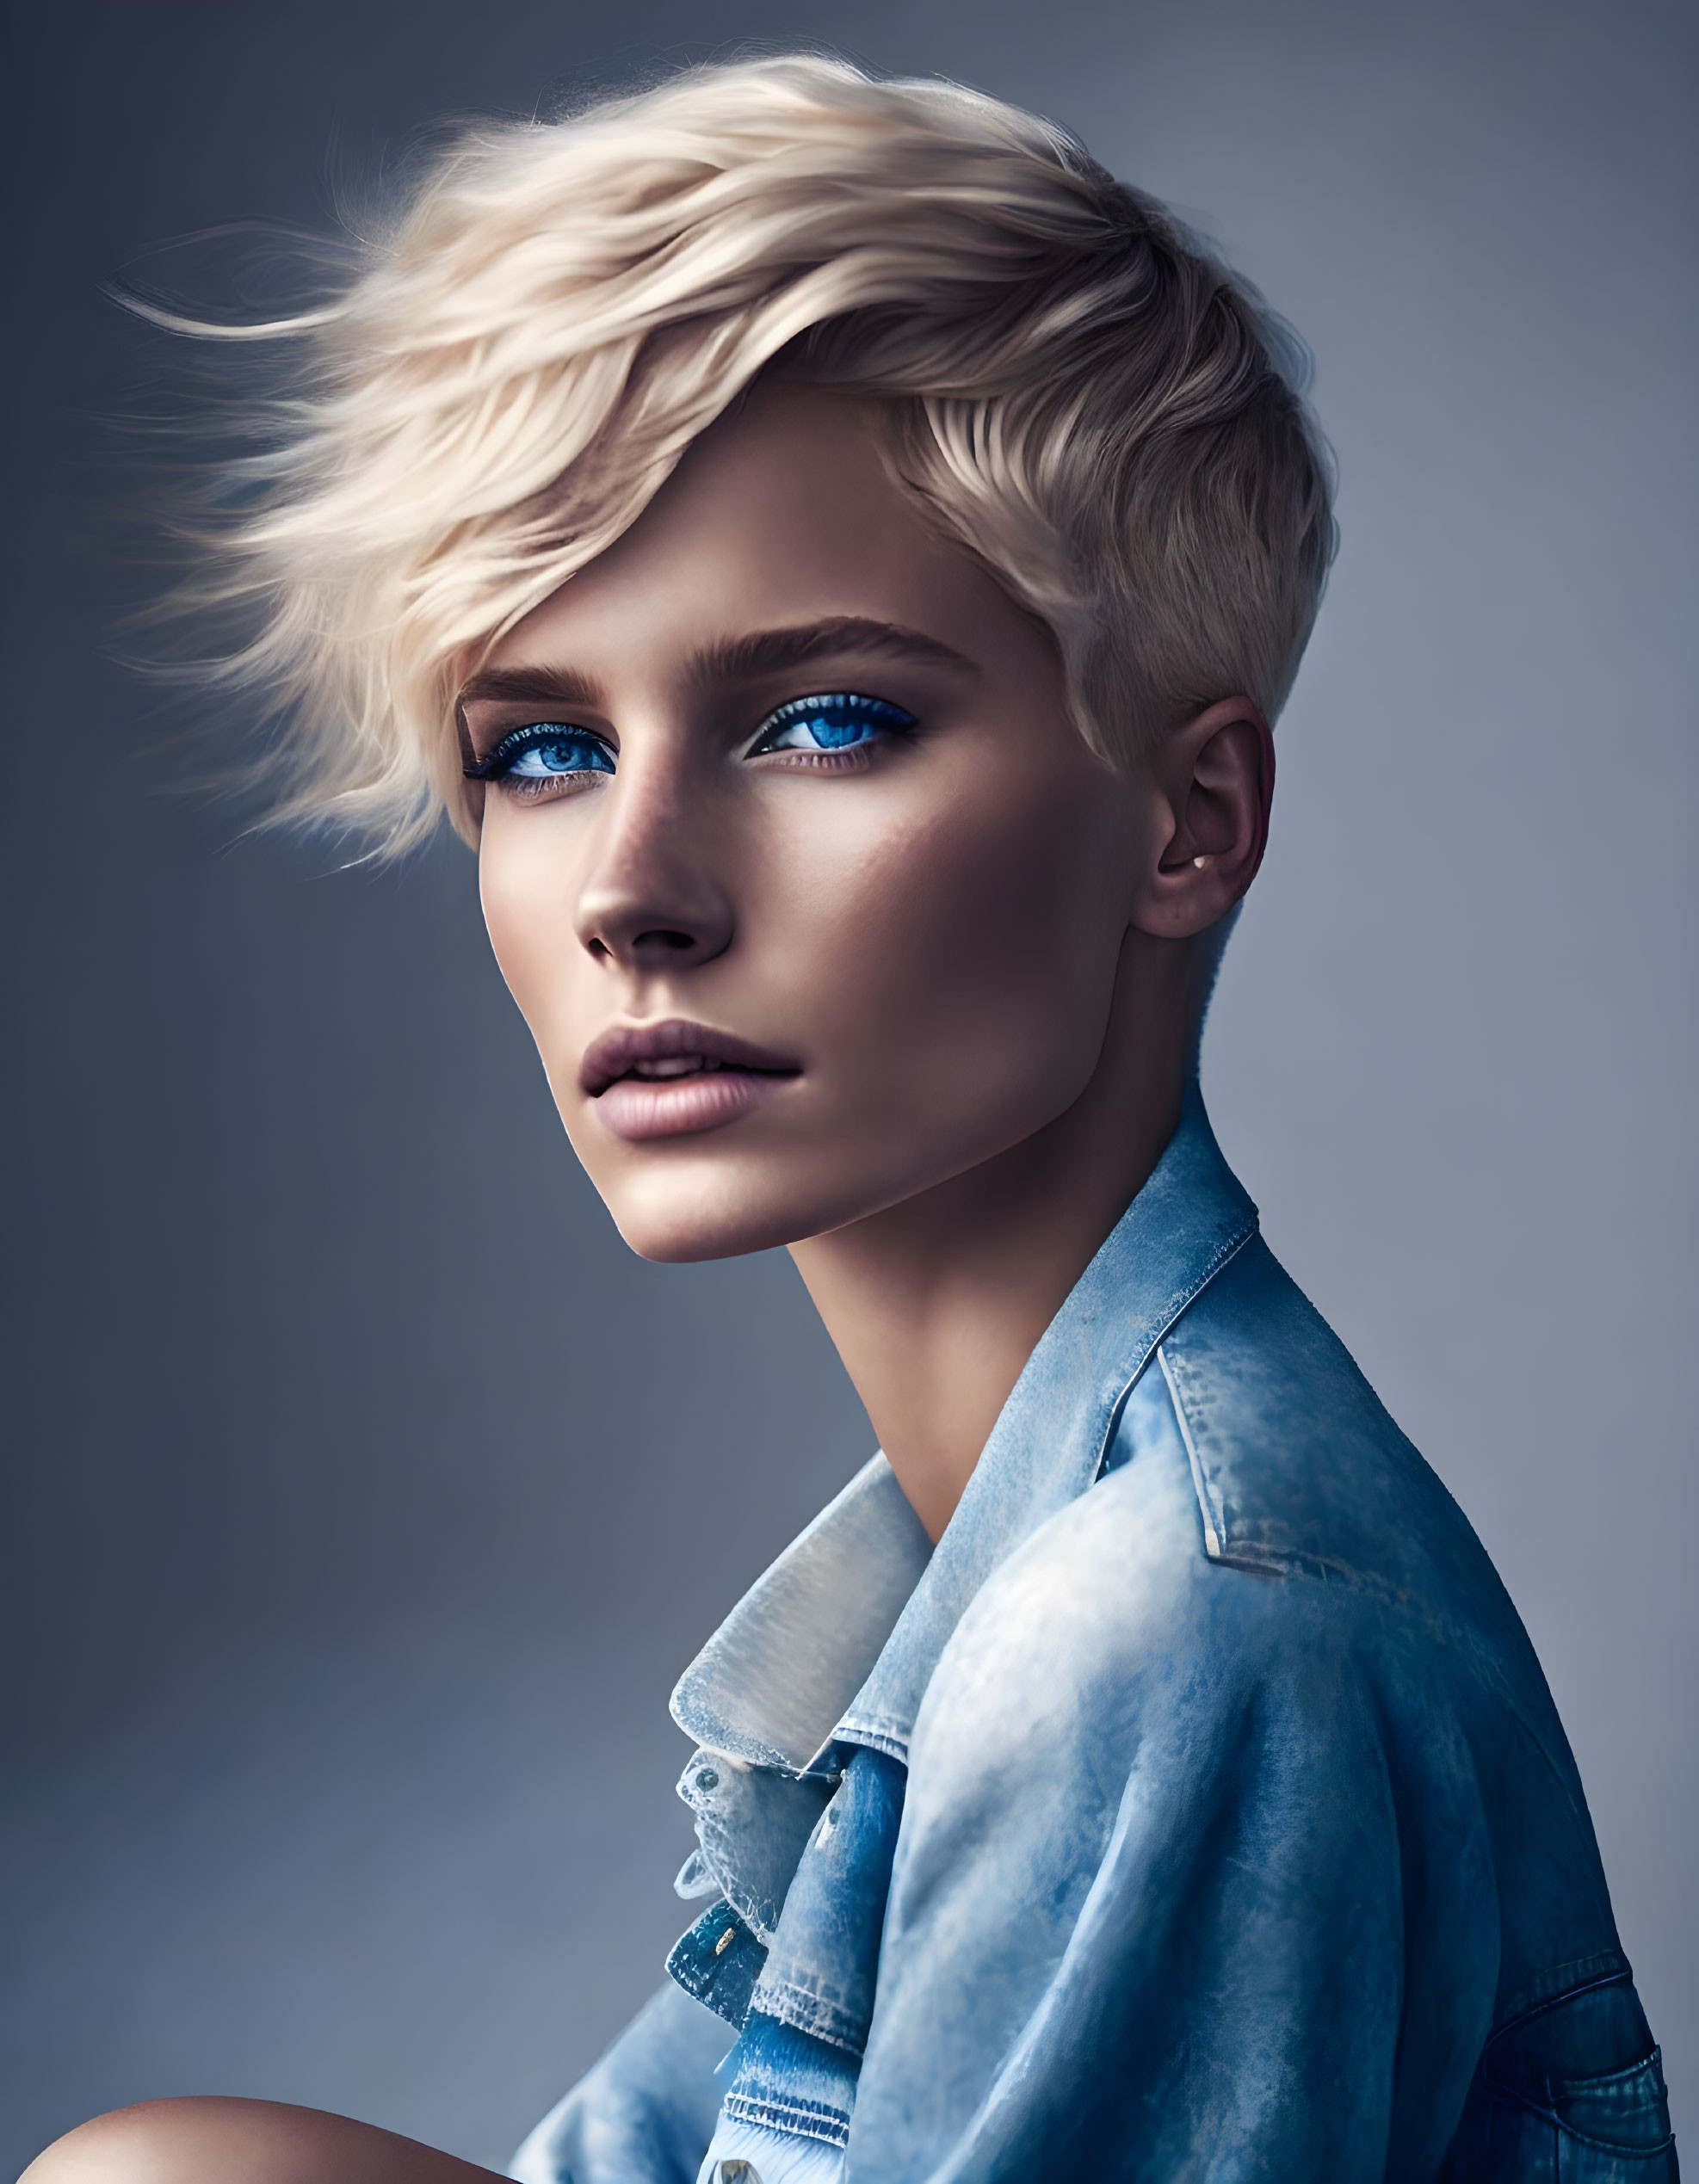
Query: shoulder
x=1269 y=1624
x=1107 y=1631
x=1266 y=1526
x=1110 y=1684
x=1299 y=1471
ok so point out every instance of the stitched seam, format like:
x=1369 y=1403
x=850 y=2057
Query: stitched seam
x=801 y=2119
x=852 y=1730
x=1224 y=1254
x=1214 y=1518
x=1258 y=1555
x=1507 y=2097
x=1600 y=2082
x=807 y=2013
x=1619 y=1977
x=1306 y=1562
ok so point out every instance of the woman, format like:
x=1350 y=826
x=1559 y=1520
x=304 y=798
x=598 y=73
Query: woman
x=838 y=555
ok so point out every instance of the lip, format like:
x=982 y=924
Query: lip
x=741 y=1076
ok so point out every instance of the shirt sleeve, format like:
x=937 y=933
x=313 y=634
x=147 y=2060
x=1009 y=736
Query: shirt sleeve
x=644 y=2113
x=1146 y=1917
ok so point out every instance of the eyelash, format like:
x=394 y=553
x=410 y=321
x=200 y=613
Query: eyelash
x=593 y=754
x=814 y=713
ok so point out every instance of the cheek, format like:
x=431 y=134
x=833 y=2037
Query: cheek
x=524 y=885
x=968 y=958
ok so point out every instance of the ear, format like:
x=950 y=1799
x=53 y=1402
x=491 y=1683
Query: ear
x=1215 y=781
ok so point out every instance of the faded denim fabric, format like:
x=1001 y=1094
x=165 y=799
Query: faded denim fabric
x=1197 y=1808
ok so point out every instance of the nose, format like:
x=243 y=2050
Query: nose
x=651 y=900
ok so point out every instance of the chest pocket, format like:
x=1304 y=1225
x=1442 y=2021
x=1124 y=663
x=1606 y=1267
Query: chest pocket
x=1570 y=2092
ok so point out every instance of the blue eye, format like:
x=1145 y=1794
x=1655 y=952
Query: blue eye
x=843 y=721
x=541 y=752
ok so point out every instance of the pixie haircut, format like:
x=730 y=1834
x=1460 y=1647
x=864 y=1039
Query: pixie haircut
x=1076 y=390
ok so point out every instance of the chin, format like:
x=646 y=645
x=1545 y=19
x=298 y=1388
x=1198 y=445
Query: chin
x=684 y=1243
x=680 y=1220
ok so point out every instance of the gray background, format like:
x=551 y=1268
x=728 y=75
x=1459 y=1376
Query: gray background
x=368 y=1494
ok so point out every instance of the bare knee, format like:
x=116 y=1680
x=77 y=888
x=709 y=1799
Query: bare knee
x=157 y=2140
x=213 y=2140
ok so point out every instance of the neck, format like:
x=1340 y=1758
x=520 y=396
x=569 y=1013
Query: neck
x=935 y=1304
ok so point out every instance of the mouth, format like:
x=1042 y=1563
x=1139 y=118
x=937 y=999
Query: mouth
x=673 y=1079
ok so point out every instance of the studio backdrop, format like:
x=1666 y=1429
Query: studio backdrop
x=366 y=1496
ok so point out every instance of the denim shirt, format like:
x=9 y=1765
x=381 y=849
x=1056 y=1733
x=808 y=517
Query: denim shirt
x=1197 y=1807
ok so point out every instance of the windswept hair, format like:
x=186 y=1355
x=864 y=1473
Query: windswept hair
x=1077 y=391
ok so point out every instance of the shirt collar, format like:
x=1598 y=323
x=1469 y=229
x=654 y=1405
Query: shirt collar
x=837 y=1644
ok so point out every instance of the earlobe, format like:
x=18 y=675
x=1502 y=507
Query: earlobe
x=1217 y=776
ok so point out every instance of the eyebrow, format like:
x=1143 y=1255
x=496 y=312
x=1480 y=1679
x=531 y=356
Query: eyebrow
x=733 y=659
x=534 y=685
x=773 y=651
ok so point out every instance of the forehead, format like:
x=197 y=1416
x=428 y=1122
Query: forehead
x=783 y=513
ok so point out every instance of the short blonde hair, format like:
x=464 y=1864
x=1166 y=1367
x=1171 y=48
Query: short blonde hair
x=1077 y=391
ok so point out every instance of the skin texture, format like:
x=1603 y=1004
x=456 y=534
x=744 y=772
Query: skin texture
x=240 y=2142
x=974 y=948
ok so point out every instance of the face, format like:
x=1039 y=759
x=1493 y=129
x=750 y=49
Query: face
x=809 y=891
